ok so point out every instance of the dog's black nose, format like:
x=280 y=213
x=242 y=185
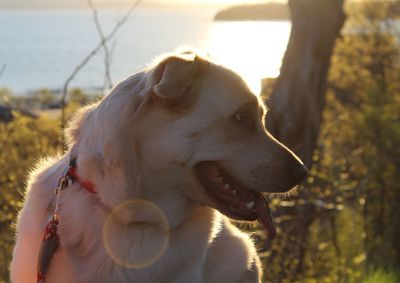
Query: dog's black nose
x=299 y=172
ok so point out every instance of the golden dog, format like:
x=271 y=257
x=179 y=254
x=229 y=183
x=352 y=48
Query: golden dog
x=171 y=153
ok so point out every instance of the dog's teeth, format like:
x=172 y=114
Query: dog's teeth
x=250 y=204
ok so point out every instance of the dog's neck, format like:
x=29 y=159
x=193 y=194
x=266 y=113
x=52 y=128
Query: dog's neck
x=131 y=211
x=166 y=189
x=131 y=239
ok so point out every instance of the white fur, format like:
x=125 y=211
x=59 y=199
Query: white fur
x=132 y=147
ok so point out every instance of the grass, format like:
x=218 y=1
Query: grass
x=383 y=276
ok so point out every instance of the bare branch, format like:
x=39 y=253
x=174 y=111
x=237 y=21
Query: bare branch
x=117 y=26
x=107 y=60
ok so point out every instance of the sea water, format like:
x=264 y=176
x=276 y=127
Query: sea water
x=40 y=48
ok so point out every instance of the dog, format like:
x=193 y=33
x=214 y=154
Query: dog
x=161 y=165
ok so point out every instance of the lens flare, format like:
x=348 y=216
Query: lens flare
x=136 y=234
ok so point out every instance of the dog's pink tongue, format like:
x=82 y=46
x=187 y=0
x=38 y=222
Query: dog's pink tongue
x=264 y=216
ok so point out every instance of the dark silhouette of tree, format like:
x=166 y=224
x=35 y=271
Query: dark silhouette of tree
x=298 y=96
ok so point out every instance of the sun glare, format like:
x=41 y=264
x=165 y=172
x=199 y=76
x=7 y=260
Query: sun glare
x=253 y=49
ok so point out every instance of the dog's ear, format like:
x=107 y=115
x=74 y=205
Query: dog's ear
x=175 y=75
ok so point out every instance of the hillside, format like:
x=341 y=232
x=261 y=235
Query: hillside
x=259 y=12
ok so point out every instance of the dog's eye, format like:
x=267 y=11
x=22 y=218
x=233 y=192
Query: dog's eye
x=244 y=118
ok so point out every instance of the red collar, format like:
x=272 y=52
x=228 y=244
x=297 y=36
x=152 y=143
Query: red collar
x=72 y=172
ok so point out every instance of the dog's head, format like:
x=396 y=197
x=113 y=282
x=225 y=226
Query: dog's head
x=189 y=128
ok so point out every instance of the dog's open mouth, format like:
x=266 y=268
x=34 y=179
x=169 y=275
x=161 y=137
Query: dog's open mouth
x=233 y=199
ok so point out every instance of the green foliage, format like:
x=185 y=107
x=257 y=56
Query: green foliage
x=346 y=220
x=366 y=78
x=22 y=142
x=44 y=97
x=382 y=276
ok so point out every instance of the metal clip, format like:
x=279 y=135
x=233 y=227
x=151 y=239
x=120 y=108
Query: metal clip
x=62 y=184
x=64 y=181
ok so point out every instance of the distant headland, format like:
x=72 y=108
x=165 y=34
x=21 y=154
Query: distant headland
x=258 y=12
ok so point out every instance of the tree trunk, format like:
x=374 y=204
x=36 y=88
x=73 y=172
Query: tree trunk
x=296 y=105
x=298 y=96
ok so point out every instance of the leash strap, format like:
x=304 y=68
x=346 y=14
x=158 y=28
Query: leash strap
x=50 y=241
x=49 y=246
